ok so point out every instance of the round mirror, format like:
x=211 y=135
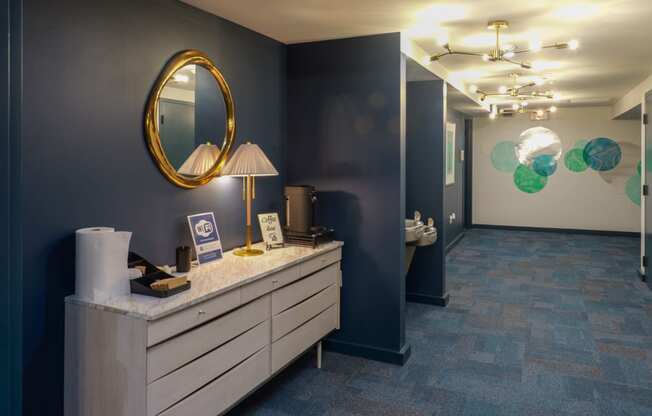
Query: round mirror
x=190 y=120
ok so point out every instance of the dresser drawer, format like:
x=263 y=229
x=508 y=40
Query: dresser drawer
x=288 y=296
x=320 y=262
x=269 y=283
x=221 y=394
x=290 y=319
x=169 y=326
x=172 y=388
x=166 y=357
x=293 y=344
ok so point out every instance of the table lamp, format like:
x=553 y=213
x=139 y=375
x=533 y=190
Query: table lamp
x=247 y=162
x=200 y=160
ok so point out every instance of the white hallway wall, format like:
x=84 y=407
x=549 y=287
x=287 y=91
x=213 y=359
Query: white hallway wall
x=569 y=200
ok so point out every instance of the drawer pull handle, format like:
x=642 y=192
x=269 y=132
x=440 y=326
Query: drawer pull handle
x=201 y=312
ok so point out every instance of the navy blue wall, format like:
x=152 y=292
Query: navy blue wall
x=10 y=225
x=344 y=137
x=454 y=194
x=210 y=110
x=424 y=189
x=88 y=70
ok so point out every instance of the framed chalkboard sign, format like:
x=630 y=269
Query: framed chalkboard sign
x=270 y=228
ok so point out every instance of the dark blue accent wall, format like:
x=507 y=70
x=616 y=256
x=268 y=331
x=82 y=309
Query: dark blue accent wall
x=210 y=110
x=345 y=138
x=10 y=212
x=88 y=70
x=425 y=158
x=454 y=194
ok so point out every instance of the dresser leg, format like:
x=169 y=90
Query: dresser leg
x=319 y=355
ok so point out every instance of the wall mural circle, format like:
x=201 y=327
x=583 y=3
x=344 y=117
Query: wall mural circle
x=574 y=160
x=528 y=181
x=602 y=154
x=536 y=142
x=503 y=157
x=544 y=165
x=633 y=189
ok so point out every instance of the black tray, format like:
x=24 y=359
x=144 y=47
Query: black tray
x=141 y=285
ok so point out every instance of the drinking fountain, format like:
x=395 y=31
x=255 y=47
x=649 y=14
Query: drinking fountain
x=418 y=234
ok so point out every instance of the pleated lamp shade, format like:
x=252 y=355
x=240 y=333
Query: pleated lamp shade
x=200 y=160
x=249 y=160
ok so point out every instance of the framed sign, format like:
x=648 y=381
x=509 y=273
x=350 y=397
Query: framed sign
x=450 y=153
x=270 y=228
x=205 y=237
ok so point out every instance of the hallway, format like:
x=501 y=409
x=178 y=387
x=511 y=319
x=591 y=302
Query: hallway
x=538 y=324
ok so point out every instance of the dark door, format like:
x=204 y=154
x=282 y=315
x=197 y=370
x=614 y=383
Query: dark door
x=177 y=130
x=648 y=180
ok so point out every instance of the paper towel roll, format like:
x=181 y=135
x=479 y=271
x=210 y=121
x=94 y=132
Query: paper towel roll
x=101 y=269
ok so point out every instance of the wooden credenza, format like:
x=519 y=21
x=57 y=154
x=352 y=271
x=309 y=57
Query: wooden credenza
x=202 y=351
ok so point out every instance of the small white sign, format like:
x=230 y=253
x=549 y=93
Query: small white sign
x=205 y=237
x=270 y=227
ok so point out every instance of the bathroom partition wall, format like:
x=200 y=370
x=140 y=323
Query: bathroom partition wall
x=346 y=138
x=424 y=187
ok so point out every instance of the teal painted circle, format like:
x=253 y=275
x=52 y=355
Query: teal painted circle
x=602 y=154
x=633 y=189
x=544 y=165
x=528 y=181
x=503 y=157
x=574 y=160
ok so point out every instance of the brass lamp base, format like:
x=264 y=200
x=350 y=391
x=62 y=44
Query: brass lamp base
x=248 y=252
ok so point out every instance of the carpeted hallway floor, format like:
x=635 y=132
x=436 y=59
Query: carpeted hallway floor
x=538 y=324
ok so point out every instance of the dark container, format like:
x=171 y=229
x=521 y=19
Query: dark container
x=299 y=208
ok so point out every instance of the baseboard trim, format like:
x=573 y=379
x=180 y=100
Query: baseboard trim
x=369 y=352
x=455 y=242
x=558 y=230
x=428 y=299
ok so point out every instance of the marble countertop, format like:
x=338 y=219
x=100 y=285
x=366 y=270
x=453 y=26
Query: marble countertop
x=210 y=280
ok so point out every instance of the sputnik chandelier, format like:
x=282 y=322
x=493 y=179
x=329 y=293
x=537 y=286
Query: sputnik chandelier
x=505 y=53
x=537 y=114
x=516 y=91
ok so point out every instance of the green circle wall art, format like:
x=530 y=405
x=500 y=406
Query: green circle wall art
x=528 y=181
x=633 y=189
x=602 y=154
x=503 y=157
x=574 y=160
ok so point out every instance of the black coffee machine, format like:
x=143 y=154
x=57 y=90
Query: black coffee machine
x=300 y=207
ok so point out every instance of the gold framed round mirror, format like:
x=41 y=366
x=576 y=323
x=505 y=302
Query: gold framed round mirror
x=189 y=112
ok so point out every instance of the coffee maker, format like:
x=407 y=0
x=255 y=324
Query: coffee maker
x=300 y=207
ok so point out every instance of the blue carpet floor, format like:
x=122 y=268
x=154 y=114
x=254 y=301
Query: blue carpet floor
x=538 y=324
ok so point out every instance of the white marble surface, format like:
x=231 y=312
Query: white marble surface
x=211 y=280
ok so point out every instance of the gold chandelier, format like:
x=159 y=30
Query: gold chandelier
x=517 y=108
x=516 y=91
x=502 y=53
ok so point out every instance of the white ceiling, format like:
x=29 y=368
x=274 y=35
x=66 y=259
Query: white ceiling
x=615 y=35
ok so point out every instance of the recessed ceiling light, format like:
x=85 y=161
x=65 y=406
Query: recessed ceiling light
x=515 y=106
x=502 y=89
x=553 y=109
x=573 y=44
x=181 y=78
x=473 y=89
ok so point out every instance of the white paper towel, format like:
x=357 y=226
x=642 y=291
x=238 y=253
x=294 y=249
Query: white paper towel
x=101 y=269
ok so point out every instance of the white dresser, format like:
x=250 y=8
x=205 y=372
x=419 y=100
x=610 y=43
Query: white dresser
x=200 y=352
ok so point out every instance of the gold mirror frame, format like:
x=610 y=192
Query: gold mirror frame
x=189 y=57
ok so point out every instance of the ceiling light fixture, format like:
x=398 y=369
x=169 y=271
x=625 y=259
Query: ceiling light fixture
x=516 y=91
x=506 y=53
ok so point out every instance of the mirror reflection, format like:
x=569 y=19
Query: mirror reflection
x=192 y=120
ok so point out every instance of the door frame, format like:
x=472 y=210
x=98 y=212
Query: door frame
x=644 y=230
x=11 y=364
